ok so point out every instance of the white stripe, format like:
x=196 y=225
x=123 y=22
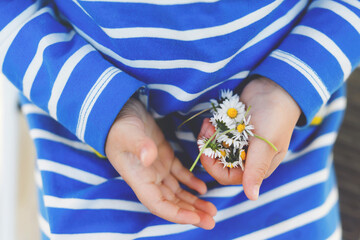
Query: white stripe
x=240 y=75
x=44 y=226
x=337 y=234
x=197 y=108
x=37 y=61
x=176 y=147
x=32 y=109
x=328 y=44
x=167 y=229
x=340 y=10
x=42 y=134
x=181 y=95
x=277 y=25
x=187 y=136
x=100 y=204
x=19 y=20
x=296 y=222
x=91 y=98
x=305 y=70
x=93 y=236
x=88 y=99
x=223 y=192
x=325 y=140
x=70 y=172
x=156 y=2
x=338 y=104
x=208 y=67
x=354 y=3
x=205 y=105
x=4 y=46
x=63 y=77
x=193 y=34
x=275 y=194
x=38 y=179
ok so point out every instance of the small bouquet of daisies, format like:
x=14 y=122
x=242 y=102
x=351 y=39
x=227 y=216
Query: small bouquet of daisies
x=230 y=141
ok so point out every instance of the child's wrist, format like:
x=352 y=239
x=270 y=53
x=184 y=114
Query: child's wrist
x=262 y=86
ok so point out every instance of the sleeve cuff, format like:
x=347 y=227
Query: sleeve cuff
x=103 y=108
x=295 y=77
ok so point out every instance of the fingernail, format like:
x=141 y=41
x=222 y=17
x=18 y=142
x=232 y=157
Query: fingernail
x=255 y=192
x=143 y=155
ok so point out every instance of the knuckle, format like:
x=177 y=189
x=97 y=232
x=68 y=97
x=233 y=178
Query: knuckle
x=268 y=173
x=261 y=171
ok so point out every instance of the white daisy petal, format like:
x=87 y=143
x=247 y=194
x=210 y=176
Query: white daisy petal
x=226 y=94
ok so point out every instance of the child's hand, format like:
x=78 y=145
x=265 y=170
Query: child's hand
x=274 y=115
x=138 y=150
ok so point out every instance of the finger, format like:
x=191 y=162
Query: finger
x=186 y=177
x=258 y=162
x=202 y=205
x=223 y=175
x=207 y=129
x=170 y=195
x=159 y=205
x=204 y=209
x=187 y=201
x=191 y=199
x=132 y=138
x=206 y=221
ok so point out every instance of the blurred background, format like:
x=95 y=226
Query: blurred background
x=18 y=203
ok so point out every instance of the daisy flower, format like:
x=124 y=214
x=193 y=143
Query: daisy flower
x=212 y=150
x=243 y=130
x=229 y=143
x=224 y=95
x=219 y=122
x=232 y=110
x=228 y=140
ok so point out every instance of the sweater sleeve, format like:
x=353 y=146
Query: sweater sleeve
x=60 y=72
x=318 y=55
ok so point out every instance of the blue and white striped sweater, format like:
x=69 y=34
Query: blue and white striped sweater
x=180 y=51
x=79 y=186
x=80 y=61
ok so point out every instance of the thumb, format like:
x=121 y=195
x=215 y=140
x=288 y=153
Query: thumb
x=128 y=135
x=258 y=162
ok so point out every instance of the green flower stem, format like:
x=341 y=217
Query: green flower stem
x=267 y=141
x=246 y=113
x=213 y=107
x=192 y=117
x=227 y=131
x=202 y=150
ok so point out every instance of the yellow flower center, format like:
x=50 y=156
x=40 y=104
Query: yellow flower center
x=230 y=165
x=223 y=153
x=232 y=112
x=225 y=144
x=243 y=155
x=240 y=127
